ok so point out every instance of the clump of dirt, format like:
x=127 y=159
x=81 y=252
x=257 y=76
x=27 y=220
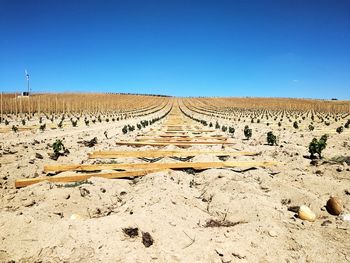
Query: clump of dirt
x=89 y=143
x=131 y=231
x=147 y=239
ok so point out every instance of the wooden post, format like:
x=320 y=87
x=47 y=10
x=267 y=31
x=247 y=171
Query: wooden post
x=29 y=104
x=39 y=106
x=20 y=107
x=16 y=105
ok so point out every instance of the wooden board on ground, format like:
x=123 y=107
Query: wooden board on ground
x=180 y=144
x=183 y=136
x=162 y=153
x=82 y=177
x=150 y=169
x=183 y=139
x=187 y=131
x=150 y=166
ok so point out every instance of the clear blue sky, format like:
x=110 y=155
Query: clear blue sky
x=281 y=48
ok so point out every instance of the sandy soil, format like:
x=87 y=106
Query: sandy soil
x=84 y=223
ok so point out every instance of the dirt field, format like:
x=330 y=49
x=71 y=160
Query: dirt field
x=214 y=215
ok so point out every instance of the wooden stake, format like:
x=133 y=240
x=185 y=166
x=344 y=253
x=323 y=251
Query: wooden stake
x=39 y=106
x=29 y=104
x=20 y=106
x=16 y=105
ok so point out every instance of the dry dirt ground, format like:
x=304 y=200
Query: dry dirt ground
x=217 y=215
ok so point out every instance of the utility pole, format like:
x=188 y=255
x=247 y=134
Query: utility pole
x=27 y=77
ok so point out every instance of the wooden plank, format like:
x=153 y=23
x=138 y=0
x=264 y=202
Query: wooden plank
x=182 y=139
x=137 y=166
x=188 y=131
x=167 y=138
x=174 y=135
x=186 y=139
x=177 y=132
x=183 y=130
x=159 y=153
x=123 y=174
x=82 y=177
x=192 y=143
x=196 y=136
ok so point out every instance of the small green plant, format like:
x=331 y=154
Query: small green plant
x=7 y=122
x=139 y=126
x=42 y=127
x=340 y=129
x=217 y=125
x=317 y=146
x=14 y=128
x=74 y=123
x=58 y=150
x=144 y=123
x=247 y=132
x=57 y=146
x=346 y=125
x=23 y=122
x=60 y=124
x=271 y=138
x=224 y=128
x=210 y=125
x=125 y=129
x=295 y=125
x=279 y=124
x=86 y=122
x=231 y=130
x=311 y=128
